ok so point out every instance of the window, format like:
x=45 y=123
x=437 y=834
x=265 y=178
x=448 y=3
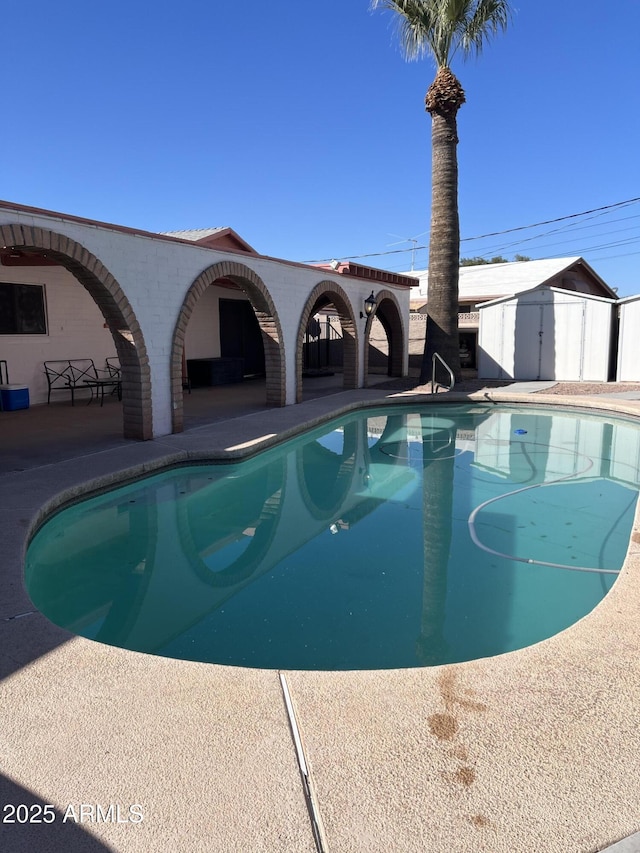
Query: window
x=22 y=309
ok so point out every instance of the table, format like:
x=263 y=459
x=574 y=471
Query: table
x=100 y=385
x=215 y=371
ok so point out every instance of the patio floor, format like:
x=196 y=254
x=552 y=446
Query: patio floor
x=530 y=752
x=44 y=434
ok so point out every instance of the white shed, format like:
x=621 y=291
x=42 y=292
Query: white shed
x=629 y=340
x=546 y=333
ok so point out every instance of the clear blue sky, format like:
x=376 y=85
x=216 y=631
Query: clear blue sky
x=302 y=127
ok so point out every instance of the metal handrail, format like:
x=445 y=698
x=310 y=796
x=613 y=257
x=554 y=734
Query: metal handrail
x=446 y=367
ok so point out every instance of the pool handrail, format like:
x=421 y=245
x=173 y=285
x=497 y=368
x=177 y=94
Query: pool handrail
x=446 y=367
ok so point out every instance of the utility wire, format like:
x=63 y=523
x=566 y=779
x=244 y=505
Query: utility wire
x=492 y=233
x=582 y=251
x=562 y=242
x=551 y=221
x=573 y=226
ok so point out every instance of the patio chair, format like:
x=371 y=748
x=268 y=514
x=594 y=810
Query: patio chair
x=114 y=371
x=70 y=375
x=113 y=366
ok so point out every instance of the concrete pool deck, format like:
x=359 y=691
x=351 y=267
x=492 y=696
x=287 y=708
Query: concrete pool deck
x=535 y=751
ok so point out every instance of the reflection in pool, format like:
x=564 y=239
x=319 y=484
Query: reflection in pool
x=395 y=538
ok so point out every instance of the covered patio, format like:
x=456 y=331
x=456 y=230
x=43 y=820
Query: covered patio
x=79 y=289
x=44 y=434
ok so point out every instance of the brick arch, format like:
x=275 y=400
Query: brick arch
x=115 y=308
x=268 y=321
x=388 y=312
x=341 y=302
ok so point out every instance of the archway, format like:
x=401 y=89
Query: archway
x=248 y=281
x=114 y=305
x=384 y=338
x=324 y=294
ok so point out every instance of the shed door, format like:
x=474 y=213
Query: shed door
x=549 y=341
x=547 y=337
x=527 y=340
x=534 y=341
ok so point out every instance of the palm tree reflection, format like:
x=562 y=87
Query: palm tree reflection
x=438 y=458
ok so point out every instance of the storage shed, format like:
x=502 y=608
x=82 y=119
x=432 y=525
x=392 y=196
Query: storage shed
x=629 y=340
x=546 y=333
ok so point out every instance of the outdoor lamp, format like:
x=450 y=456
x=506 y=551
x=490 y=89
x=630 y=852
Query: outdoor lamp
x=369 y=306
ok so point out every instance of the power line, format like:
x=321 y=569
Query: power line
x=615 y=257
x=563 y=242
x=492 y=233
x=551 y=221
x=574 y=226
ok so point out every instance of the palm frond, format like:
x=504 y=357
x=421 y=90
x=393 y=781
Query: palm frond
x=489 y=18
x=416 y=21
x=440 y=28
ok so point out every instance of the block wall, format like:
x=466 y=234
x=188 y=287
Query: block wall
x=75 y=329
x=203 y=333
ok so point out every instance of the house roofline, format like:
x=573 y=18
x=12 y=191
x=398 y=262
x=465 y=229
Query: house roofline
x=154 y=235
x=553 y=289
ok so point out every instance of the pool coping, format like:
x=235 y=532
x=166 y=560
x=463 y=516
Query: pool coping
x=385 y=770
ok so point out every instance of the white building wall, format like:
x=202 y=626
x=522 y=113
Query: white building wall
x=629 y=340
x=75 y=329
x=596 y=340
x=545 y=334
x=155 y=274
x=202 y=339
x=496 y=342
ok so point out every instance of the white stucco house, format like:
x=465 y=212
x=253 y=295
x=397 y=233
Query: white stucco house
x=74 y=288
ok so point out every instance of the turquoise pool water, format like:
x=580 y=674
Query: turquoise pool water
x=396 y=537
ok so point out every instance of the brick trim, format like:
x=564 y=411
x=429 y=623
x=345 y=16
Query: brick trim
x=388 y=312
x=268 y=321
x=342 y=304
x=108 y=295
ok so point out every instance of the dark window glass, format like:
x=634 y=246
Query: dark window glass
x=22 y=309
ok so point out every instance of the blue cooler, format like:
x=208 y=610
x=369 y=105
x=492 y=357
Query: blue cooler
x=14 y=397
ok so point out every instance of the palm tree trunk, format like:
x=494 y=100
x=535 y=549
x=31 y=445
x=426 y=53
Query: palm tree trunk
x=444 y=241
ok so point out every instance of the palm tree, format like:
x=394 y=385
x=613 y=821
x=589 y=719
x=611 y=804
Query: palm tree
x=441 y=28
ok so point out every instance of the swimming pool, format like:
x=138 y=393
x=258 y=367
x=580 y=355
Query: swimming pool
x=397 y=537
